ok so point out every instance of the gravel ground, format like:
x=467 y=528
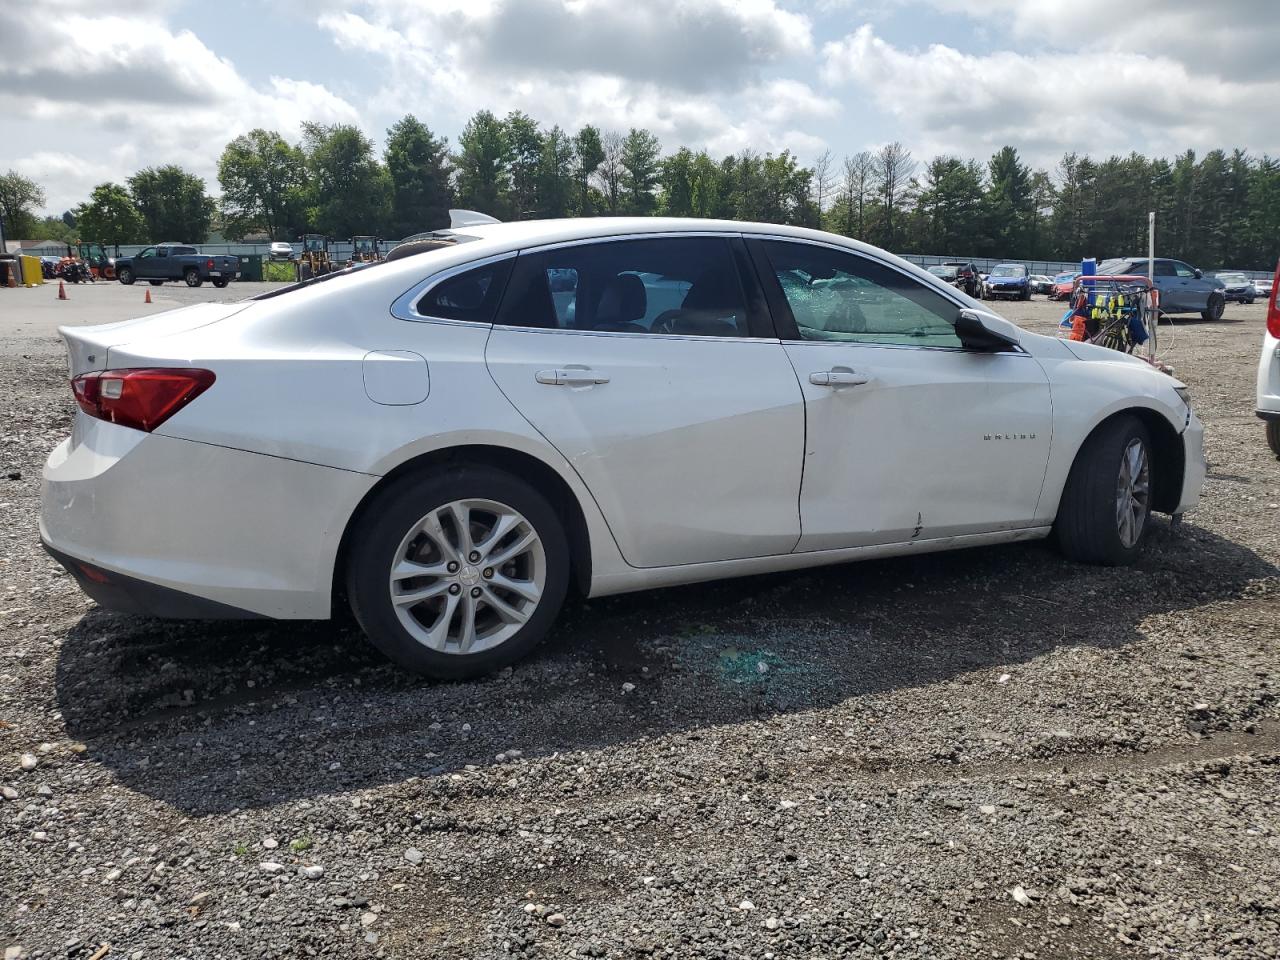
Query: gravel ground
x=992 y=753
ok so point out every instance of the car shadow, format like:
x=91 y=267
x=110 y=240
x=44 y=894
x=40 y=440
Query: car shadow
x=212 y=717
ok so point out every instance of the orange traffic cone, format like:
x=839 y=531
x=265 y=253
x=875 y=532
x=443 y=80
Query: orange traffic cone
x=148 y=297
x=62 y=291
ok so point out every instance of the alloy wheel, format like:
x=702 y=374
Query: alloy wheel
x=467 y=576
x=1133 y=492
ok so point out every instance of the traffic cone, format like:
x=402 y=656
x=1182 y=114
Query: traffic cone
x=13 y=281
x=148 y=297
x=62 y=291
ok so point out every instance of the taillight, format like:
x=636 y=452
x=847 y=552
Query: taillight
x=139 y=397
x=1273 y=310
x=208 y=264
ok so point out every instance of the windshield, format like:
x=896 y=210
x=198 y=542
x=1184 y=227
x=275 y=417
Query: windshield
x=1233 y=278
x=1064 y=278
x=947 y=273
x=1008 y=270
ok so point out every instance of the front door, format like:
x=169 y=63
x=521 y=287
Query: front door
x=649 y=367
x=909 y=435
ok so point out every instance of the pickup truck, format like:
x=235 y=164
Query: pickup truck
x=175 y=261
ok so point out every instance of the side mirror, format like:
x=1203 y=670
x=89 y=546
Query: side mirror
x=974 y=334
x=1199 y=275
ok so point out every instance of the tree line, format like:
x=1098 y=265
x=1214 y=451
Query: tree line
x=1219 y=209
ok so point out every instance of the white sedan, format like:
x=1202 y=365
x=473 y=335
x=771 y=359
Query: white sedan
x=452 y=439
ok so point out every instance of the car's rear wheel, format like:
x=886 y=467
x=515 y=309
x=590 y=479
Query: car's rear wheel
x=192 y=276
x=1107 y=500
x=1273 y=436
x=125 y=276
x=459 y=574
x=221 y=283
x=1214 y=307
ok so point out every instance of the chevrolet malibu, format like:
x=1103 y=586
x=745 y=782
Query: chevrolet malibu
x=451 y=440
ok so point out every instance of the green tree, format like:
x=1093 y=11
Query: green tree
x=556 y=174
x=418 y=164
x=1008 y=201
x=19 y=198
x=481 y=163
x=173 y=203
x=949 y=207
x=263 y=179
x=640 y=152
x=677 y=184
x=53 y=228
x=349 y=190
x=110 y=216
x=588 y=154
x=524 y=160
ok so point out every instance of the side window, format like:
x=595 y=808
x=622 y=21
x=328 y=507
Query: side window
x=844 y=297
x=472 y=295
x=1164 y=268
x=181 y=250
x=681 y=286
x=162 y=251
x=149 y=252
x=1183 y=270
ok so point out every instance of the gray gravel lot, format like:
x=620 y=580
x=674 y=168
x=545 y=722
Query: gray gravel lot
x=992 y=753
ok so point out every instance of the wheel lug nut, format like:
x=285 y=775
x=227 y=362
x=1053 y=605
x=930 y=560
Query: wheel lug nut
x=475 y=555
x=454 y=589
x=488 y=573
x=453 y=567
x=475 y=591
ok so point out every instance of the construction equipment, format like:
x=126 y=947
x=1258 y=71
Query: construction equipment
x=314 y=260
x=101 y=266
x=365 y=250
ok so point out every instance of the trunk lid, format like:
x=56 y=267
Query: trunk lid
x=88 y=347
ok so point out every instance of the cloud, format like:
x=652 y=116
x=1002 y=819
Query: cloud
x=1091 y=101
x=153 y=94
x=692 y=71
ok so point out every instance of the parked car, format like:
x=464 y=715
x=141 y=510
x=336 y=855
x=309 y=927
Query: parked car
x=948 y=273
x=1041 y=284
x=1063 y=284
x=467 y=448
x=1264 y=287
x=280 y=251
x=175 y=261
x=967 y=272
x=1008 y=280
x=1237 y=287
x=1183 y=288
x=1269 y=369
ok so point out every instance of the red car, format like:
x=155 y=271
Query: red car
x=1062 y=284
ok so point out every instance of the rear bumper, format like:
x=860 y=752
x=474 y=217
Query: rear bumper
x=1268 y=400
x=153 y=524
x=116 y=591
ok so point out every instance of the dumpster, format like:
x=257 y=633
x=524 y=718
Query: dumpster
x=251 y=267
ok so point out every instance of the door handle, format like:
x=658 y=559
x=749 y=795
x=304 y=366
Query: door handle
x=837 y=378
x=570 y=377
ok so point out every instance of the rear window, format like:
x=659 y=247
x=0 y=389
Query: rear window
x=472 y=296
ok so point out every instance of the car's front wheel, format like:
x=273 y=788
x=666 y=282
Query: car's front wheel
x=1214 y=308
x=1106 y=504
x=458 y=574
x=1273 y=436
x=125 y=276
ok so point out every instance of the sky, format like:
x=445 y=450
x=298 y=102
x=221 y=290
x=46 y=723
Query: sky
x=96 y=91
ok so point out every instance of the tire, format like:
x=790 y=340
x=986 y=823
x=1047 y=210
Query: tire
x=125 y=276
x=395 y=527
x=156 y=283
x=220 y=283
x=1214 y=307
x=192 y=276
x=1273 y=436
x=1026 y=294
x=1090 y=526
x=304 y=272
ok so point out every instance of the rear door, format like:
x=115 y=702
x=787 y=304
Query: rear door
x=651 y=368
